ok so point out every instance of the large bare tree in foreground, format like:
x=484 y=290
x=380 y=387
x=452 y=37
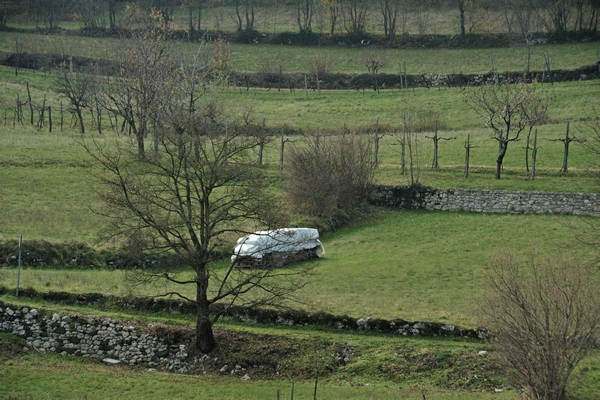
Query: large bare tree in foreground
x=543 y=320
x=192 y=199
x=198 y=192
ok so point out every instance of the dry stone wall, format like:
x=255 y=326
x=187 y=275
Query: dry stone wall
x=105 y=339
x=488 y=201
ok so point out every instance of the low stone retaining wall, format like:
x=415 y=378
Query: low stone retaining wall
x=105 y=339
x=258 y=315
x=487 y=201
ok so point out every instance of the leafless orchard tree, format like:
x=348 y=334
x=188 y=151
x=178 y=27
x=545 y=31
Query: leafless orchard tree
x=374 y=62
x=79 y=89
x=566 y=141
x=389 y=12
x=506 y=110
x=244 y=12
x=542 y=319
x=354 y=13
x=305 y=10
x=333 y=10
x=431 y=121
x=134 y=94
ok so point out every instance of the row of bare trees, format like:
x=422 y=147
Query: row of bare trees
x=349 y=16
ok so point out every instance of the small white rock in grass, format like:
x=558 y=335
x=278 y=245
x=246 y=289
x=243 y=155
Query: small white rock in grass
x=246 y=377
x=483 y=353
x=111 y=361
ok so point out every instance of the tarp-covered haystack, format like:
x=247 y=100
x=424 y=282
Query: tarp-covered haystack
x=269 y=249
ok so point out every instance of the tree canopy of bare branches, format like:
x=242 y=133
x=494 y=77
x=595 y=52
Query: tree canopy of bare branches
x=507 y=110
x=79 y=89
x=193 y=199
x=542 y=319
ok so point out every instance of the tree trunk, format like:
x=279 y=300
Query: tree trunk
x=80 y=117
x=565 y=166
x=261 y=147
x=281 y=152
x=461 y=10
x=140 y=143
x=205 y=340
x=377 y=138
x=534 y=155
x=467 y=155
x=500 y=159
x=527 y=151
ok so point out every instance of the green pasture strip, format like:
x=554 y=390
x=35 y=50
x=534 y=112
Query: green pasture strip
x=332 y=109
x=426 y=266
x=268 y=58
x=48 y=188
x=574 y=101
x=370 y=371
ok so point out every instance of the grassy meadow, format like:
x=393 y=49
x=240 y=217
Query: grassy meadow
x=382 y=367
x=411 y=265
x=268 y=58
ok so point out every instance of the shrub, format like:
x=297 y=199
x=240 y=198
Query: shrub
x=329 y=175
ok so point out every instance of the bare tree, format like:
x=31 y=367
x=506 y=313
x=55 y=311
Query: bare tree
x=333 y=9
x=389 y=11
x=79 y=89
x=304 y=14
x=354 y=13
x=542 y=319
x=373 y=61
x=566 y=143
x=191 y=201
x=245 y=14
x=504 y=110
x=134 y=94
x=433 y=120
x=536 y=113
x=461 y=12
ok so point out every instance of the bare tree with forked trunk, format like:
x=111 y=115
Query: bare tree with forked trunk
x=507 y=111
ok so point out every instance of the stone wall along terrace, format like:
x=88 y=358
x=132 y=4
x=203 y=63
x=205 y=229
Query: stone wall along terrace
x=489 y=201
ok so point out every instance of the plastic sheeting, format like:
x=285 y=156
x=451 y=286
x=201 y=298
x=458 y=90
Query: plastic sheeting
x=284 y=240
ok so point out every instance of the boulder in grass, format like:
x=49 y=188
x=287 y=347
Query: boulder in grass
x=270 y=249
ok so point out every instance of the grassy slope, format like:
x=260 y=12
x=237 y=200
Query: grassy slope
x=47 y=187
x=411 y=265
x=257 y=58
x=377 y=371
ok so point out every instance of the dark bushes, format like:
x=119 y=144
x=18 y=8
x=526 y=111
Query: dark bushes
x=329 y=175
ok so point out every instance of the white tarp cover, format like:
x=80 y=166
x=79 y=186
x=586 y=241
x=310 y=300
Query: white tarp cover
x=288 y=240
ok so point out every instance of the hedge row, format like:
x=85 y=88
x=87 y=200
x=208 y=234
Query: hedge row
x=327 y=81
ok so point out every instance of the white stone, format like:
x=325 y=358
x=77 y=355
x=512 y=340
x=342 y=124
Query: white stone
x=111 y=361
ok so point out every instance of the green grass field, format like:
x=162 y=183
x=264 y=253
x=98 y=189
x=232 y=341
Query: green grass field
x=378 y=369
x=410 y=265
x=268 y=58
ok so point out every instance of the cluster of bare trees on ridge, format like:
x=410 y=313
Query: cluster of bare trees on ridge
x=347 y=16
